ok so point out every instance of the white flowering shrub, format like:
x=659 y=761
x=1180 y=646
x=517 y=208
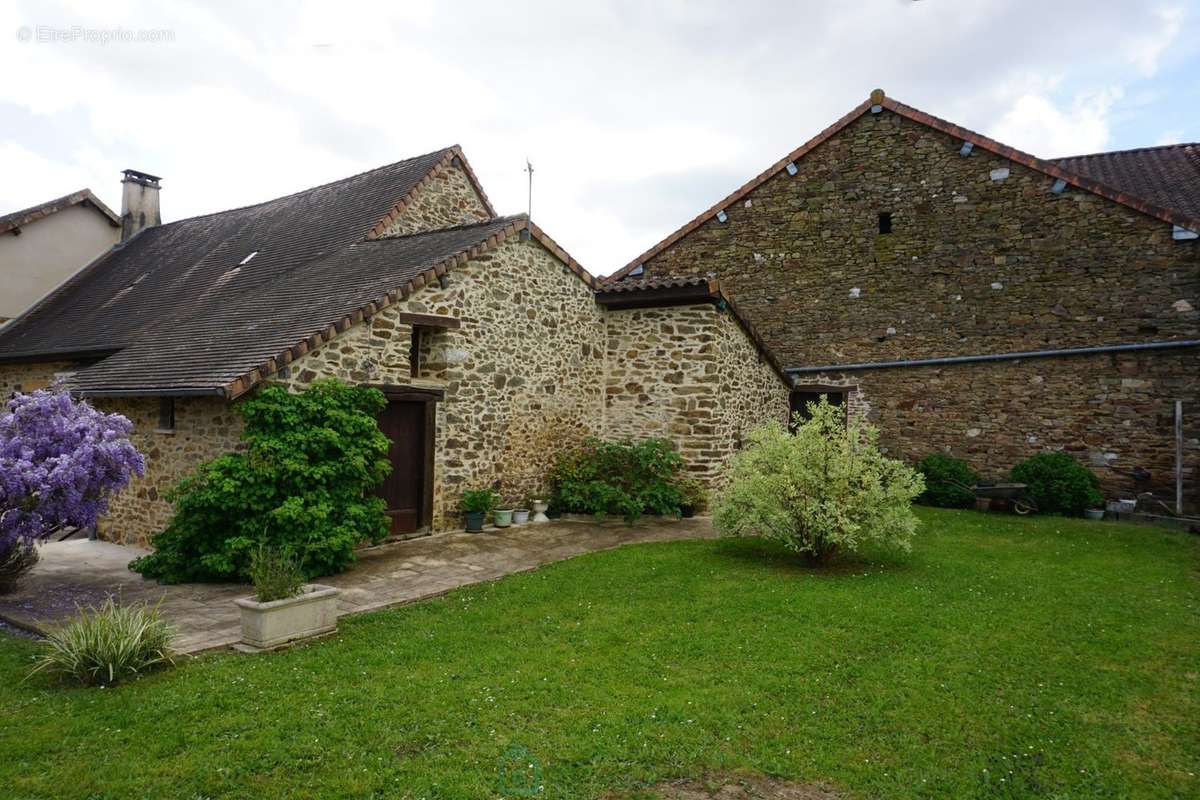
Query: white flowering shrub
x=824 y=490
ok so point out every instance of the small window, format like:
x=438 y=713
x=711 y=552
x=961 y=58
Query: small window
x=802 y=397
x=885 y=222
x=414 y=353
x=166 y=414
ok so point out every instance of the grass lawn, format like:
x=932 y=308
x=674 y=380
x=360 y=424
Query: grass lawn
x=1059 y=654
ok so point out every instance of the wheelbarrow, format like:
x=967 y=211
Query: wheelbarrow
x=1015 y=495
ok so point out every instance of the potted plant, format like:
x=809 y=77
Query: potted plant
x=475 y=505
x=521 y=515
x=284 y=608
x=539 y=506
x=692 y=497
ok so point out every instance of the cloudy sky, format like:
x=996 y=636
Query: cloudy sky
x=636 y=115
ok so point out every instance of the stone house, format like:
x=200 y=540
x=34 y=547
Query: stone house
x=970 y=298
x=42 y=246
x=496 y=349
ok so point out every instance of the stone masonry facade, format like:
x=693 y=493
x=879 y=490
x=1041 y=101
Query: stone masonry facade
x=534 y=365
x=688 y=374
x=448 y=201
x=522 y=376
x=982 y=257
x=205 y=427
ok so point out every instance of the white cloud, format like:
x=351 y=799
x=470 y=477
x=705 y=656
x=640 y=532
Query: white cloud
x=1145 y=50
x=636 y=116
x=1036 y=125
x=1173 y=136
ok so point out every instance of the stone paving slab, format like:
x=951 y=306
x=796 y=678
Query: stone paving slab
x=75 y=574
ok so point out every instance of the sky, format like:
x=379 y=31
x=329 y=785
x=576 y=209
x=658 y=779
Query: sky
x=636 y=115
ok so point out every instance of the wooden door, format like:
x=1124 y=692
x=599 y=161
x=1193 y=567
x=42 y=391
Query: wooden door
x=404 y=490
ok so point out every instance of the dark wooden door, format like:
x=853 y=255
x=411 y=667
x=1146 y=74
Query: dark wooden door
x=404 y=423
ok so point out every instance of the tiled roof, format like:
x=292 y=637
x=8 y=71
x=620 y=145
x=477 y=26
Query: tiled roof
x=1168 y=175
x=16 y=219
x=233 y=344
x=189 y=312
x=633 y=285
x=1126 y=196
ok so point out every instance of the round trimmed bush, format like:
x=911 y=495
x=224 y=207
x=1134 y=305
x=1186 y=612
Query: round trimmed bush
x=1059 y=483
x=942 y=475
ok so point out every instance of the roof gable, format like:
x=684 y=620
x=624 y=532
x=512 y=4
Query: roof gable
x=25 y=216
x=197 y=266
x=878 y=101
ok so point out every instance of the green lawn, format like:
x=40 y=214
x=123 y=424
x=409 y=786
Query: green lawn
x=1062 y=650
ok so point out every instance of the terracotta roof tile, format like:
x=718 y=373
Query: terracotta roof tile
x=1168 y=175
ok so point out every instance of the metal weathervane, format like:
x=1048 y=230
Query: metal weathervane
x=529 y=169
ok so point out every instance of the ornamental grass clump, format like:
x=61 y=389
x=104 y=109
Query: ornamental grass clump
x=106 y=645
x=276 y=574
x=825 y=490
x=61 y=461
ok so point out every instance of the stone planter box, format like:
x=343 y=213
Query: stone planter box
x=269 y=625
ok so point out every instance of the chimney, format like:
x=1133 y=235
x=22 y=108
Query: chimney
x=139 y=203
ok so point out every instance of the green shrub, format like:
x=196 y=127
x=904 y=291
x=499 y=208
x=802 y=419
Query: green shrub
x=944 y=480
x=108 y=644
x=1059 y=483
x=625 y=479
x=304 y=484
x=692 y=494
x=276 y=574
x=475 y=501
x=824 y=490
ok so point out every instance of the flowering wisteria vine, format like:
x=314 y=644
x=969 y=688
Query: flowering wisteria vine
x=60 y=461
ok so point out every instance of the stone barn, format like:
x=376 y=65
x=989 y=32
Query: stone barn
x=496 y=349
x=970 y=298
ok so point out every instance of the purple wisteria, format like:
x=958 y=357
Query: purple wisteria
x=60 y=461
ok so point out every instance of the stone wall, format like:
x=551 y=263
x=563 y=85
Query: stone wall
x=1113 y=412
x=205 y=427
x=523 y=375
x=972 y=265
x=687 y=374
x=30 y=376
x=448 y=201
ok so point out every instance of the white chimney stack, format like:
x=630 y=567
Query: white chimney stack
x=139 y=202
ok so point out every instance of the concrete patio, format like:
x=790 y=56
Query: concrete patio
x=81 y=573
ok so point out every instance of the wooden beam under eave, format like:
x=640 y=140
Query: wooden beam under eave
x=429 y=320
